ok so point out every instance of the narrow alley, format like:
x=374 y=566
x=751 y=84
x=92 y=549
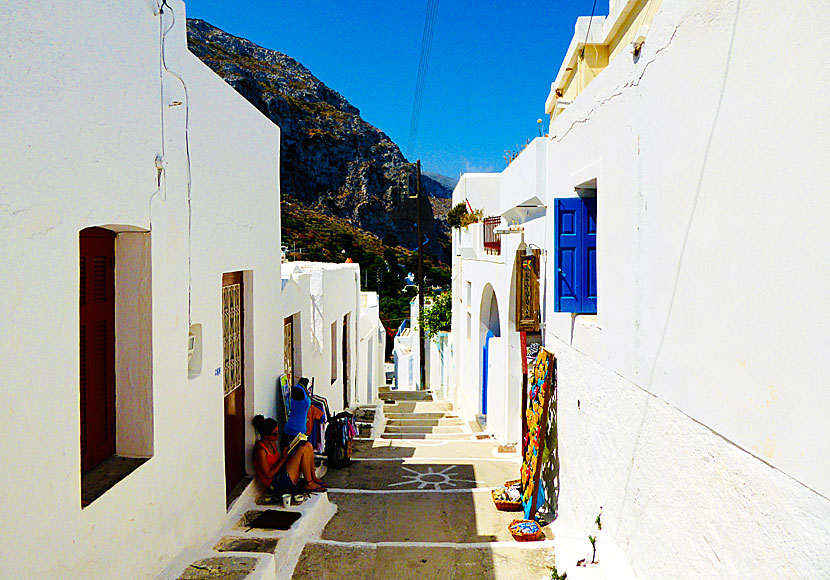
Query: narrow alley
x=416 y=503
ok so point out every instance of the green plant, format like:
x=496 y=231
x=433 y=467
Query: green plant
x=455 y=214
x=438 y=316
x=472 y=218
x=460 y=217
x=593 y=540
x=555 y=575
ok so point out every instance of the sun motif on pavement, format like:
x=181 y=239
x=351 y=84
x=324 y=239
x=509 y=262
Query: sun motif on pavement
x=432 y=478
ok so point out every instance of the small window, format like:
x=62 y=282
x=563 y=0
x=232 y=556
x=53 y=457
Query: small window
x=469 y=293
x=576 y=255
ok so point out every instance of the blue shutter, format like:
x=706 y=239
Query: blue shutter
x=567 y=250
x=589 y=304
x=576 y=263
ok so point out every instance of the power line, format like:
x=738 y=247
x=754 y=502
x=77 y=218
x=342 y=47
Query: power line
x=590 y=20
x=423 y=66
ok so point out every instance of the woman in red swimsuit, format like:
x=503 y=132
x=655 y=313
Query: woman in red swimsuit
x=281 y=471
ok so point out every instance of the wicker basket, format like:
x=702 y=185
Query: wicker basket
x=507 y=505
x=520 y=536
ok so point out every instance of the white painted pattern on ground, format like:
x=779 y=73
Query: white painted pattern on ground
x=431 y=477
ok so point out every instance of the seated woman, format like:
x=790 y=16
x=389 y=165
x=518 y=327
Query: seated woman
x=302 y=415
x=281 y=471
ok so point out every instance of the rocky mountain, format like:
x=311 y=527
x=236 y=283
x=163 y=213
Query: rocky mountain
x=447 y=184
x=331 y=159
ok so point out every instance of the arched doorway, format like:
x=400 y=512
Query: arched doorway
x=490 y=327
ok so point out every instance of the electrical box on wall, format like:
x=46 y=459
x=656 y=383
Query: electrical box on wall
x=194 y=351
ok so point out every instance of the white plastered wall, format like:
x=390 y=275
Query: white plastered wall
x=81 y=126
x=332 y=292
x=522 y=183
x=692 y=406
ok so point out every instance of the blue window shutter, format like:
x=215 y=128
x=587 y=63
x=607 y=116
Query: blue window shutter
x=576 y=263
x=567 y=255
x=589 y=304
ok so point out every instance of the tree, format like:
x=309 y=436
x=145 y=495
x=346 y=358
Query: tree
x=438 y=317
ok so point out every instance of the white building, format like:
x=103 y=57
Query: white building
x=691 y=403
x=371 y=373
x=144 y=307
x=332 y=325
x=486 y=339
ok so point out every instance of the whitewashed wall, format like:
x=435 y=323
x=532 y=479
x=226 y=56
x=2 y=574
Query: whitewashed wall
x=334 y=291
x=692 y=407
x=370 y=372
x=80 y=129
x=522 y=183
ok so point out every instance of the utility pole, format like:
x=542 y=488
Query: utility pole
x=421 y=346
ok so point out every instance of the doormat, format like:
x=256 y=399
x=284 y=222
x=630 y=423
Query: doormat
x=270 y=519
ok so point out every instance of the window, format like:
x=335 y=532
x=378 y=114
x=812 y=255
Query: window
x=115 y=356
x=576 y=249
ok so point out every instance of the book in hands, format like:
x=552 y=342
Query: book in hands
x=300 y=438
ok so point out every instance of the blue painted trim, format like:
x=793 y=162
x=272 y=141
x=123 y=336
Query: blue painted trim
x=485 y=360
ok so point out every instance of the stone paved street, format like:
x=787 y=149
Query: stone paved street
x=420 y=508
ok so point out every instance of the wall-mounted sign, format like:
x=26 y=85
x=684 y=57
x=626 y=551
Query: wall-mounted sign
x=527 y=291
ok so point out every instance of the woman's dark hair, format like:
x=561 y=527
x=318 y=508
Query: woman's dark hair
x=264 y=426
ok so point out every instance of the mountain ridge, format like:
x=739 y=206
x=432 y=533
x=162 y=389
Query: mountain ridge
x=332 y=160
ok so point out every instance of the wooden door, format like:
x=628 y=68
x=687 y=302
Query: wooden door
x=234 y=378
x=97 y=346
x=345 y=350
x=288 y=348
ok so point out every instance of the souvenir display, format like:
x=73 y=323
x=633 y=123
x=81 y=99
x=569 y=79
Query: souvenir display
x=536 y=414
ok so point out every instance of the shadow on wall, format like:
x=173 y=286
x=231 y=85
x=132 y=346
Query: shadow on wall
x=550 y=457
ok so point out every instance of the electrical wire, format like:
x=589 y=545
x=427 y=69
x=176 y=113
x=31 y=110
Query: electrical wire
x=423 y=67
x=187 y=152
x=587 y=32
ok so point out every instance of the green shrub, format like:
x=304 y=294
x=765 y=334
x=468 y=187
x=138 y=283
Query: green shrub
x=455 y=214
x=459 y=217
x=438 y=316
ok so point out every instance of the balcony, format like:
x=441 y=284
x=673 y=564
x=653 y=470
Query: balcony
x=492 y=240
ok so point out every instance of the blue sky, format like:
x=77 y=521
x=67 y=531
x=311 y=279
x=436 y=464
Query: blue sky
x=489 y=74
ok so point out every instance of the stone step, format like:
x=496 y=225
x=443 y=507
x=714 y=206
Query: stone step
x=421 y=416
x=418 y=407
x=385 y=394
x=452 y=436
x=415 y=422
x=422 y=429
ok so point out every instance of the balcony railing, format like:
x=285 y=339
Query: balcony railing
x=492 y=240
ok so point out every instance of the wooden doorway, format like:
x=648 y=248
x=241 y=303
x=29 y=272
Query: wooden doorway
x=234 y=378
x=97 y=346
x=288 y=348
x=345 y=361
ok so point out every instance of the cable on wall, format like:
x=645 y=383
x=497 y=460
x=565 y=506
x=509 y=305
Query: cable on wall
x=587 y=32
x=187 y=151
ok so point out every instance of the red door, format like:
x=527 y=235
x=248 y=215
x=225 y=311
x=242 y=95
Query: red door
x=97 y=346
x=232 y=369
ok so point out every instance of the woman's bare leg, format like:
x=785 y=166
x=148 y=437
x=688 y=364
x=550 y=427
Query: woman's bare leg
x=301 y=462
x=293 y=466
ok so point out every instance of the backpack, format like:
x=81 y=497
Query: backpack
x=339 y=434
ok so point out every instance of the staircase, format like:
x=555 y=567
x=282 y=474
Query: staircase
x=417 y=415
